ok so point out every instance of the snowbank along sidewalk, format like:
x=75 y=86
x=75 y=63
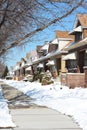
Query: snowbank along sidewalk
x=5 y=117
x=71 y=102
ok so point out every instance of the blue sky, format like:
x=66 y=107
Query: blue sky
x=39 y=39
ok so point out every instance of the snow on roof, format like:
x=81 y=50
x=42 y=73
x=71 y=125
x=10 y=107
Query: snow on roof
x=78 y=29
x=55 y=41
x=49 y=55
x=45 y=47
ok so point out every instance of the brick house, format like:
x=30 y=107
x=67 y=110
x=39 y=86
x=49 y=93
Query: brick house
x=39 y=51
x=51 y=53
x=17 y=70
x=30 y=58
x=22 y=68
x=77 y=65
x=25 y=66
x=64 y=39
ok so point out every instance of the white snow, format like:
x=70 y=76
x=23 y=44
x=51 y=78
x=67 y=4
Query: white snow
x=5 y=117
x=71 y=102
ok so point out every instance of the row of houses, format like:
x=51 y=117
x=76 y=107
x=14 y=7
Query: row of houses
x=65 y=56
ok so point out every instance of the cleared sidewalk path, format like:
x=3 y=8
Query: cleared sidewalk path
x=42 y=119
x=33 y=117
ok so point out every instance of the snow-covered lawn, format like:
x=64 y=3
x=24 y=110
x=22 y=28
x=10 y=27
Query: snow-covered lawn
x=71 y=102
x=5 y=117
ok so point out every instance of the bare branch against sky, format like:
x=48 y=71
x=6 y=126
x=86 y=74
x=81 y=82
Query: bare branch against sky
x=22 y=19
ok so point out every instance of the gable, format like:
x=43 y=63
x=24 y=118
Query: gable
x=83 y=19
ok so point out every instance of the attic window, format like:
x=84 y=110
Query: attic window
x=78 y=36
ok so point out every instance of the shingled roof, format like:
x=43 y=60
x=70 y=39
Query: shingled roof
x=63 y=34
x=82 y=19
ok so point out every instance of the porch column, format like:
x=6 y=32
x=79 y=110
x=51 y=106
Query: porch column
x=63 y=64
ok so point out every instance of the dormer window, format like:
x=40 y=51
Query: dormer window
x=78 y=36
x=56 y=46
x=45 y=52
x=77 y=31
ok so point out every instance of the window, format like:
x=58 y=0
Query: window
x=78 y=36
x=44 y=52
x=71 y=65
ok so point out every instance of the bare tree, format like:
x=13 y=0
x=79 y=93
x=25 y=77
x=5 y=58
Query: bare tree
x=2 y=68
x=20 y=19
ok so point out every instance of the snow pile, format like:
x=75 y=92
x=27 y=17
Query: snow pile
x=5 y=117
x=71 y=102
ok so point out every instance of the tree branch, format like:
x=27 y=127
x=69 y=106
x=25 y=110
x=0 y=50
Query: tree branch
x=4 y=15
x=16 y=43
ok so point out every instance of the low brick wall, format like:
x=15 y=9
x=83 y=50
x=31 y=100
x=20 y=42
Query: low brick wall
x=73 y=80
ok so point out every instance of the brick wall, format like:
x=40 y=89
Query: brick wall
x=76 y=80
x=73 y=80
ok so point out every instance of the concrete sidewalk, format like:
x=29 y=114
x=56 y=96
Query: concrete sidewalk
x=33 y=117
x=41 y=119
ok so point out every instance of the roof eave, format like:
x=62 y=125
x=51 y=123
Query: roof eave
x=79 y=44
x=49 y=56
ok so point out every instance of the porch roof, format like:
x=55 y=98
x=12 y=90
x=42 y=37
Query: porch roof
x=49 y=55
x=77 y=45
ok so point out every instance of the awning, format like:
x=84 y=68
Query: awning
x=40 y=66
x=50 y=63
x=71 y=56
